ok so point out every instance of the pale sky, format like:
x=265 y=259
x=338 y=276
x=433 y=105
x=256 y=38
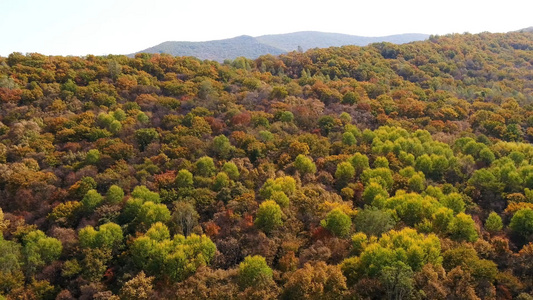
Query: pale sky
x=80 y=27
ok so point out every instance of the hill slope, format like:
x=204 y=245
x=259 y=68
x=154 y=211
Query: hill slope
x=218 y=50
x=529 y=29
x=313 y=39
x=338 y=171
x=274 y=44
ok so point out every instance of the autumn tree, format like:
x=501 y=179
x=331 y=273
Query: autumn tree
x=317 y=281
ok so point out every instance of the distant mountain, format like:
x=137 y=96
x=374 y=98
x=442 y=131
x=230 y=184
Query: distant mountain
x=219 y=50
x=313 y=39
x=529 y=29
x=275 y=44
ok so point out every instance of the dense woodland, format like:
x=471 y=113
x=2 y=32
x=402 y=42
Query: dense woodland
x=378 y=172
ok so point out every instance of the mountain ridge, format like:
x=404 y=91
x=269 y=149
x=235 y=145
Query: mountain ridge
x=275 y=44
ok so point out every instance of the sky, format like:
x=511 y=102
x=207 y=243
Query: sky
x=100 y=27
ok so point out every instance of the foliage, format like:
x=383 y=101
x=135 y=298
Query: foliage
x=373 y=221
x=304 y=164
x=108 y=236
x=493 y=223
x=462 y=227
x=405 y=246
x=114 y=194
x=522 y=222
x=337 y=222
x=254 y=271
x=318 y=281
x=176 y=258
x=125 y=162
x=269 y=216
x=345 y=173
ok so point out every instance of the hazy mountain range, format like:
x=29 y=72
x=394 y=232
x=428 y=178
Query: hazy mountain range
x=529 y=29
x=275 y=44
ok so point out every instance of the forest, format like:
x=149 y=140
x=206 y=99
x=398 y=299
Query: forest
x=378 y=172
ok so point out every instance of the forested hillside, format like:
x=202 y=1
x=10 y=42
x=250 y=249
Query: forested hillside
x=378 y=172
x=219 y=50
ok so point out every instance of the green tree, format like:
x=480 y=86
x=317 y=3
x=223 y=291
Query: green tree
x=337 y=222
x=345 y=118
x=222 y=146
x=221 y=181
x=412 y=208
x=486 y=156
x=423 y=163
x=406 y=246
x=286 y=117
x=350 y=98
x=381 y=175
x=151 y=213
x=93 y=156
x=176 y=258
x=158 y=232
x=114 y=194
x=453 y=201
x=522 y=222
x=40 y=250
x=91 y=200
x=280 y=198
x=381 y=162
x=493 y=223
x=184 y=179
x=108 y=236
x=232 y=170
x=397 y=281
x=145 y=136
x=143 y=193
x=285 y=184
x=463 y=228
x=304 y=164
x=374 y=194
x=82 y=186
x=359 y=162
x=142 y=117
x=326 y=124
x=373 y=221
x=119 y=115
x=11 y=261
x=269 y=216
x=348 y=139
x=205 y=166
x=254 y=271
x=345 y=173
x=115 y=126
x=442 y=218
x=416 y=183
x=359 y=243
